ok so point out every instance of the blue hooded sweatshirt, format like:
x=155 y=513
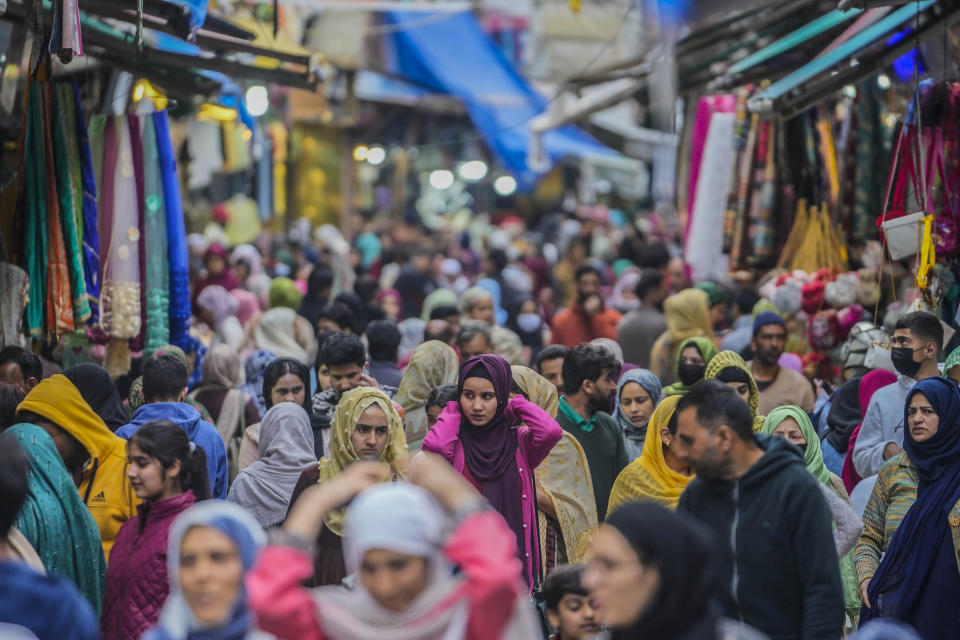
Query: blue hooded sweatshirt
x=200 y=432
x=48 y=605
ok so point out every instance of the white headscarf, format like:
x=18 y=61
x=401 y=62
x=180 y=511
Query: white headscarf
x=286 y=447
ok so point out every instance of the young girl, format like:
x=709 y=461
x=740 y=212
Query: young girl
x=168 y=473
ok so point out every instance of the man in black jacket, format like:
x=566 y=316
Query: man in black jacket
x=776 y=564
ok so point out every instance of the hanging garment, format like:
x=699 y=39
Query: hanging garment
x=13 y=300
x=177 y=256
x=91 y=237
x=35 y=229
x=157 y=274
x=62 y=133
x=703 y=253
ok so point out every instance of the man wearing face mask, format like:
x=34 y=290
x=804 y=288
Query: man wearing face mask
x=917 y=341
x=585 y=318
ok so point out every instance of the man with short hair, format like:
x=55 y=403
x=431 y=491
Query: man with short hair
x=49 y=606
x=590 y=382
x=569 y=609
x=640 y=328
x=917 y=341
x=346 y=360
x=776 y=562
x=383 y=341
x=778 y=386
x=20 y=367
x=448 y=313
x=550 y=364
x=474 y=339
x=336 y=316
x=442 y=331
x=585 y=318
x=164 y=391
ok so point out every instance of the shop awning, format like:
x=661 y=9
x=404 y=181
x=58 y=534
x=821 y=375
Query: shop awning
x=449 y=53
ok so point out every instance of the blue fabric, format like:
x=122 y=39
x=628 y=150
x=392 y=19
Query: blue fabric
x=254 y=368
x=91 y=237
x=913 y=558
x=195 y=346
x=832 y=458
x=48 y=605
x=200 y=432
x=450 y=53
x=645 y=379
x=765 y=318
x=177 y=254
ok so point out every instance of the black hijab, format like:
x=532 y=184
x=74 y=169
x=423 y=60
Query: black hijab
x=680 y=548
x=99 y=391
x=845 y=414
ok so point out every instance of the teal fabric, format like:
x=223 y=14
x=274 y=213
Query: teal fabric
x=35 y=203
x=155 y=232
x=54 y=518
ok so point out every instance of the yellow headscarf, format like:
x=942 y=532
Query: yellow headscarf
x=688 y=315
x=342 y=454
x=564 y=475
x=648 y=477
x=726 y=359
x=432 y=364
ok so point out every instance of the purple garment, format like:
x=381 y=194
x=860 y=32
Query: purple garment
x=477 y=453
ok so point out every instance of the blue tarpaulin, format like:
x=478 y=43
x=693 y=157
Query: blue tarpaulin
x=450 y=53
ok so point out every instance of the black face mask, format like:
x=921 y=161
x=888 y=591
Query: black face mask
x=903 y=361
x=691 y=373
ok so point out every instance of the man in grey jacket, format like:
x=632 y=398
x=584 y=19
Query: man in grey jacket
x=917 y=341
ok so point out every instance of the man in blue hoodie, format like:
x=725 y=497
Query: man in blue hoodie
x=164 y=388
x=776 y=564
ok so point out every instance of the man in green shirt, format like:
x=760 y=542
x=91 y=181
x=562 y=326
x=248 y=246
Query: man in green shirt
x=590 y=382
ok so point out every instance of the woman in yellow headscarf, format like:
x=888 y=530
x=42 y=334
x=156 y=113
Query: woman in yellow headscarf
x=657 y=475
x=567 y=511
x=432 y=364
x=729 y=368
x=688 y=316
x=361 y=416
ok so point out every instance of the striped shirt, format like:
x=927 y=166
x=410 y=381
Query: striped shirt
x=892 y=496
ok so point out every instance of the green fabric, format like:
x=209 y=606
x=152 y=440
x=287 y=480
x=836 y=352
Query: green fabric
x=813 y=455
x=284 y=293
x=437 y=298
x=707 y=349
x=604 y=448
x=67 y=199
x=952 y=360
x=54 y=518
x=73 y=154
x=157 y=278
x=575 y=418
x=35 y=228
x=715 y=293
x=764 y=304
x=621 y=265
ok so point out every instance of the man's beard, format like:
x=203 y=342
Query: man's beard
x=599 y=402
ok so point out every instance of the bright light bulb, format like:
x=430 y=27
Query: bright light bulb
x=505 y=185
x=441 y=179
x=850 y=91
x=361 y=152
x=883 y=81
x=258 y=100
x=376 y=156
x=474 y=170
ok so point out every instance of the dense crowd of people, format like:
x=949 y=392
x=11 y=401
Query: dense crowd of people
x=414 y=437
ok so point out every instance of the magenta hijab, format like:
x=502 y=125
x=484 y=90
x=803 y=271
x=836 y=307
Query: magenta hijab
x=490 y=451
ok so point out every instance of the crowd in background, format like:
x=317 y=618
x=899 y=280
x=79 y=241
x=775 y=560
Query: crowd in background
x=509 y=432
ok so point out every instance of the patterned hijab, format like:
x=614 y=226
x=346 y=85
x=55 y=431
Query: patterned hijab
x=342 y=454
x=432 y=364
x=726 y=359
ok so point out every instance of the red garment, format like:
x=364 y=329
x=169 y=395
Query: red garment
x=872 y=382
x=572 y=326
x=482 y=546
x=137 y=584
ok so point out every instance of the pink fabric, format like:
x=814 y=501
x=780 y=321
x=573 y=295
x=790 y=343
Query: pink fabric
x=537 y=435
x=247 y=305
x=137 y=584
x=872 y=382
x=791 y=361
x=482 y=546
x=707 y=106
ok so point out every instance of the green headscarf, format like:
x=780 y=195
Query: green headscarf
x=285 y=293
x=952 y=361
x=54 y=519
x=706 y=348
x=715 y=293
x=437 y=298
x=812 y=455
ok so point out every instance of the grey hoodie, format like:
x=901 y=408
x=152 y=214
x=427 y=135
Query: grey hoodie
x=882 y=424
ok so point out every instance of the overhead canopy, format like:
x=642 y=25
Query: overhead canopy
x=450 y=53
